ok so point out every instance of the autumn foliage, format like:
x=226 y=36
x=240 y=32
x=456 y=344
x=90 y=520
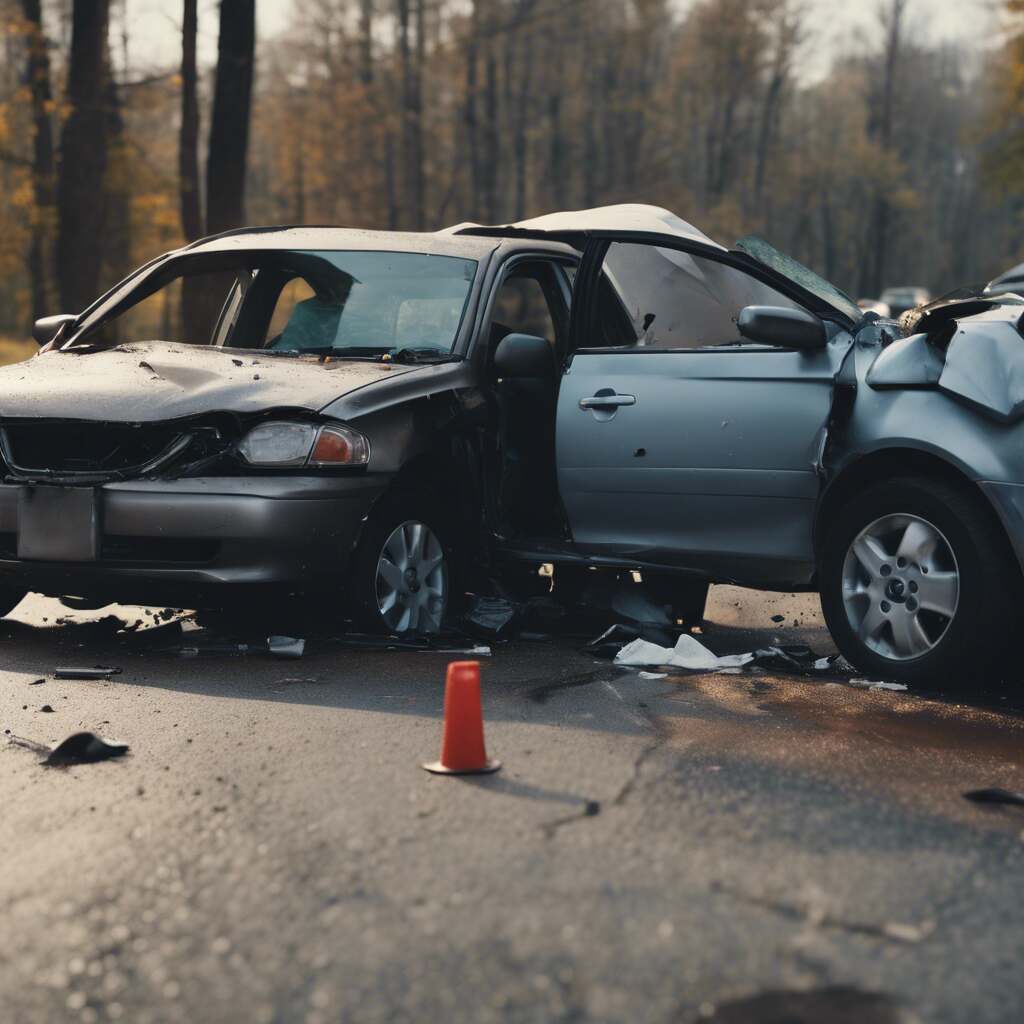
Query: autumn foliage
x=903 y=164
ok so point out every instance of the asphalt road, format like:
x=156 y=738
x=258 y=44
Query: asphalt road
x=747 y=847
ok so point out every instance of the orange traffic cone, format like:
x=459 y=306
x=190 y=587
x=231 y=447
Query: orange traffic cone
x=462 y=749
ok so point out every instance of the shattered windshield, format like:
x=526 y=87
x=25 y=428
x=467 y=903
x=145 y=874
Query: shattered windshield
x=760 y=250
x=332 y=303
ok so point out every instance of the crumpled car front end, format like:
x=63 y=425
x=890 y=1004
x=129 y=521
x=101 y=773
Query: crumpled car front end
x=113 y=501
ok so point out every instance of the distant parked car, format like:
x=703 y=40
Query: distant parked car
x=874 y=306
x=900 y=300
x=1011 y=281
x=366 y=416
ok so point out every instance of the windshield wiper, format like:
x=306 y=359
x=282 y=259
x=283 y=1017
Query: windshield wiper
x=413 y=354
x=423 y=354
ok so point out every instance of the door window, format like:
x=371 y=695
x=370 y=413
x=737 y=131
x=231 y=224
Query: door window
x=650 y=297
x=530 y=301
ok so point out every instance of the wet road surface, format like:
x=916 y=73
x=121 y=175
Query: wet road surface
x=749 y=847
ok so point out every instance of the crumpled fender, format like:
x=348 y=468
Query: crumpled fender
x=909 y=363
x=976 y=359
x=985 y=369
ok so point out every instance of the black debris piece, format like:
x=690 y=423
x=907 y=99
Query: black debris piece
x=84 y=748
x=778 y=618
x=797 y=658
x=490 y=617
x=46 y=709
x=98 y=672
x=995 y=796
x=37 y=682
x=839 y=1004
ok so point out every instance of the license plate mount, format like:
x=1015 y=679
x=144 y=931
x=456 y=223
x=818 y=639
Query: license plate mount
x=58 y=524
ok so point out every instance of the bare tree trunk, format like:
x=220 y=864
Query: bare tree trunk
x=188 y=146
x=188 y=165
x=412 y=111
x=366 y=41
x=390 y=181
x=229 y=123
x=522 y=112
x=43 y=164
x=491 y=136
x=83 y=157
x=116 y=251
x=470 y=113
x=881 y=220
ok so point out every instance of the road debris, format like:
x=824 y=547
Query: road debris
x=994 y=795
x=97 y=672
x=838 y=1005
x=491 y=617
x=286 y=646
x=688 y=653
x=877 y=684
x=46 y=709
x=84 y=748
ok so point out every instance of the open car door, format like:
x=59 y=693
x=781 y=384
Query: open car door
x=679 y=442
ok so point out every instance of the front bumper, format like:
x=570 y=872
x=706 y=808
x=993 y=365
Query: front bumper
x=167 y=541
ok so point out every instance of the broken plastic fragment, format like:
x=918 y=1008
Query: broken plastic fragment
x=84 y=748
x=99 y=672
x=286 y=646
x=877 y=684
x=490 y=616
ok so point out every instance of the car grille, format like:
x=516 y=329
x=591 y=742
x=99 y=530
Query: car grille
x=76 y=448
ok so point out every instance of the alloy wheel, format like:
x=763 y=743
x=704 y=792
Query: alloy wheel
x=412 y=580
x=901 y=586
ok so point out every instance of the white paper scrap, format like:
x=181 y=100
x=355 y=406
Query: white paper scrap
x=688 y=653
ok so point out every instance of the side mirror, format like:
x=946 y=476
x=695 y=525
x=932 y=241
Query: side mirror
x=49 y=328
x=783 y=328
x=524 y=355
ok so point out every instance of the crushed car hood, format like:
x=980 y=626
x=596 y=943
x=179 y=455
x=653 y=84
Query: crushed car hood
x=154 y=381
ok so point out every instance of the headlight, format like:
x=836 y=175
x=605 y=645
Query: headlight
x=283 y=445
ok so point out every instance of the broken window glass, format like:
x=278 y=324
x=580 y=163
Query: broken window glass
x=659 y=298
x=767 y=254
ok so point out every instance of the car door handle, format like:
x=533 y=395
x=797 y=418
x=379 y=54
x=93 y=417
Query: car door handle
x=607 y=401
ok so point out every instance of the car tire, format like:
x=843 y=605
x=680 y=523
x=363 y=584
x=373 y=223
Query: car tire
x=10 y=599
x=918 y=583
x=405 y=574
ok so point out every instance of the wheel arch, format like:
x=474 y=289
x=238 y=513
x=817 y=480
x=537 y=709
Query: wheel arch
x=451 y=479
x=892 y=462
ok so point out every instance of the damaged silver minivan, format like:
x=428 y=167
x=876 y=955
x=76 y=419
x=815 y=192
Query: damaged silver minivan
x=366 y=417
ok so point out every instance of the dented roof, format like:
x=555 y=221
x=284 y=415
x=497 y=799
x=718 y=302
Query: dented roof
x=625 y=217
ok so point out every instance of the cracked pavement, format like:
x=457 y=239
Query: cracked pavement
x=714 y=846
